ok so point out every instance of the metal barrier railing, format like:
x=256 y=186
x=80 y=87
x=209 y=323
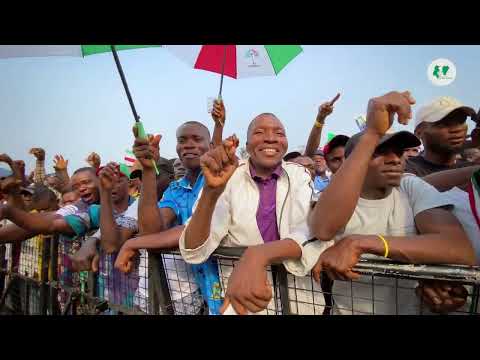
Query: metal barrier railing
x=169 y=288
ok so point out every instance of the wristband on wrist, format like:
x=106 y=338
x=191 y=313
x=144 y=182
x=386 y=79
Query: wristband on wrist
x=385 y=244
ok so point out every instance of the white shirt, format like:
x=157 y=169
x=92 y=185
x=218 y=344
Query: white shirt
x=394 y=216
x=234 y=222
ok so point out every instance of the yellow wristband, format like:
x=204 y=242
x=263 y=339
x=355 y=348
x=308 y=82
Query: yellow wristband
x=318 y=124
x=385 y=243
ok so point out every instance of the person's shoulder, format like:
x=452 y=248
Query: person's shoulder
x=414 y=186
x=296 y=171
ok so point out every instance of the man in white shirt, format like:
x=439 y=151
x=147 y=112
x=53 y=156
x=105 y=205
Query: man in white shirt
x=381 y=213
x=262 y=204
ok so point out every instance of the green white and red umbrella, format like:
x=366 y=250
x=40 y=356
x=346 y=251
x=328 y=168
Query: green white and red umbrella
x=237 y=61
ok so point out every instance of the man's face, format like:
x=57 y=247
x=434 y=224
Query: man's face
x=446 y=136
x=267 y=142
x=411 y=152
x=335 y=158
x=192 y=142
x=473 y=155
x=306 y=162
x=320 y=164
x=386 y=167
x=85 y=184
x=120 y=189
x=178 y=169
x=27 y=200
x=69 y=198
x=134 y=186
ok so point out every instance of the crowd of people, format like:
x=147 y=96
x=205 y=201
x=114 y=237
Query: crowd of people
x=409 y=197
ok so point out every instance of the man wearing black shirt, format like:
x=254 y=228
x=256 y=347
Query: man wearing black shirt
x=441 y=125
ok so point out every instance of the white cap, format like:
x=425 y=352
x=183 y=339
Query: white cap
x=439 y=108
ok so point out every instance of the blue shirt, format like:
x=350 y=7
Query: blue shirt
x=321 y=183
x=180 y=196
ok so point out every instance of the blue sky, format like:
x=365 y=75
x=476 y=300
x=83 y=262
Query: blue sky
x=73 y=106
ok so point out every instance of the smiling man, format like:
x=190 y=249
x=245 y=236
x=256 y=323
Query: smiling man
x=161 y=223
x=262 y=203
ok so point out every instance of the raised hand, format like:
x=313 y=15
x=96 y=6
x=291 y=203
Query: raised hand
x=381 y=111
x=94 y=160
x=218 y=112
x=109 y=176
x=326 y=108
x=220 y=163
x=59 y=163
x=146 y=149
x=39 y=153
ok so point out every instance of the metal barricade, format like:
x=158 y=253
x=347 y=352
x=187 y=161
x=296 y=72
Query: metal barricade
x=162 y=284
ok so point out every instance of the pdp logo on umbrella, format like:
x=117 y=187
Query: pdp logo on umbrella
x=252 y=54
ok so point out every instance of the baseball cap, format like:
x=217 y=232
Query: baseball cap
x=319 y=152
x=338 y=140
x=291 y=155
x=439 y=108
x=402 y=139
x=5 y=172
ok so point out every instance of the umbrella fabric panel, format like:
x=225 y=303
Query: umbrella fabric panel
x=97 y=49
x=211 y=58
x=281 y=55
x=186 y=53
x=9 y=51
x=253 y=60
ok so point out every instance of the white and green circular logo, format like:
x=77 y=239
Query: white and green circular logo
x=441 y=72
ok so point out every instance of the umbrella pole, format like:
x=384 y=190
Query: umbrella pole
x=124 y=82
x=223 y=69
x=138 y=123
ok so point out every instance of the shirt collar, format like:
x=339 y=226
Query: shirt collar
x=275 y=175
x=184 y=183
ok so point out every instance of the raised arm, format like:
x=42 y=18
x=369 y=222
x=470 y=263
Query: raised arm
x=316 y=133
x=150 y=219
x=218 y=116
x=11 y=185
x=326 y=223
x=39 y=174
x=61 y=170
x=112 y=236
x=218 y=165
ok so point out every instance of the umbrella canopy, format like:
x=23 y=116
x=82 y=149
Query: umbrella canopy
x=9 y=51
x=237 y=61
